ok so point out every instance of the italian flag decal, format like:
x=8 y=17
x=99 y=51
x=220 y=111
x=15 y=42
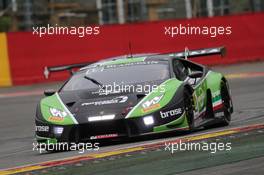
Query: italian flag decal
x=217 y=102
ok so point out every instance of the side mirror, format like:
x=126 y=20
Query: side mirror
x=197 y=74
x=49 y=92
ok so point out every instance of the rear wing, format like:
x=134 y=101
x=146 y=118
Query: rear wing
x=70 y=68
x=199 y=53
x=186 y=54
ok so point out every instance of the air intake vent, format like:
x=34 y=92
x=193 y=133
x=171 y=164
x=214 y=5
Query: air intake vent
x=70 y=104
x=140 y=96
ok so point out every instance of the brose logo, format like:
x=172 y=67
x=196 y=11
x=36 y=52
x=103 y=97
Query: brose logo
x=170 y=113
x=42 y=128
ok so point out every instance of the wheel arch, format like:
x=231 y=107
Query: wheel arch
x=214 y=82
x=224 y=79
x=229 y=91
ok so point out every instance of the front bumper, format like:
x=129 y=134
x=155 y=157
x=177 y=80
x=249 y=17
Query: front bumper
x=93 y=130
x=107 y=129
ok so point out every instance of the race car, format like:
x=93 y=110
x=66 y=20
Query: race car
x=130 y=96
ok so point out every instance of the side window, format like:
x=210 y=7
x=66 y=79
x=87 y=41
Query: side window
x=192 y=67
x=181 y=72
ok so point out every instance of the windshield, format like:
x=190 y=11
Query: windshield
x=131 y=73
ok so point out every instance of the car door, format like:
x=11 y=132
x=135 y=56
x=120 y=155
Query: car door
x=183 y=69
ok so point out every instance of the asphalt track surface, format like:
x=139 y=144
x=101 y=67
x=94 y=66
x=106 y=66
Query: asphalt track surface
x=17 y=110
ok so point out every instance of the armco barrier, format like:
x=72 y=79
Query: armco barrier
x=28 y=54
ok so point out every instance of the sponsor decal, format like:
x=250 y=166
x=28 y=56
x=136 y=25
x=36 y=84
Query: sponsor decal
x=217 y=104
x=130 y=64
x=57 y=115
x=100 y=67
x=152 y=103
x=94 y=70
x=219 y=114
x=54 y=118
x=102 y=91
x=104 y=136
x=199 y=97
x=120 y=99
x=216 y=94
x=171 y=113
x=42 y=128
x=217 y=101
x=155 y=106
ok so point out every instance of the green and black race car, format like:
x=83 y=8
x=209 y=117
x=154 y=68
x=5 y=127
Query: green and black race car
x=134 y=96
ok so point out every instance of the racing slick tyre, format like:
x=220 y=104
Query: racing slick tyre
x=188 y=107
x=226 y=104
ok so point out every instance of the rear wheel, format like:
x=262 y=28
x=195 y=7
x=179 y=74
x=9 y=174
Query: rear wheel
x=226 y=104
x=188 y=106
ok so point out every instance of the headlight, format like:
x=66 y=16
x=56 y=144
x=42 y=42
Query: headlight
x=102 y=117
x=148 y=120
x=58 y=130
